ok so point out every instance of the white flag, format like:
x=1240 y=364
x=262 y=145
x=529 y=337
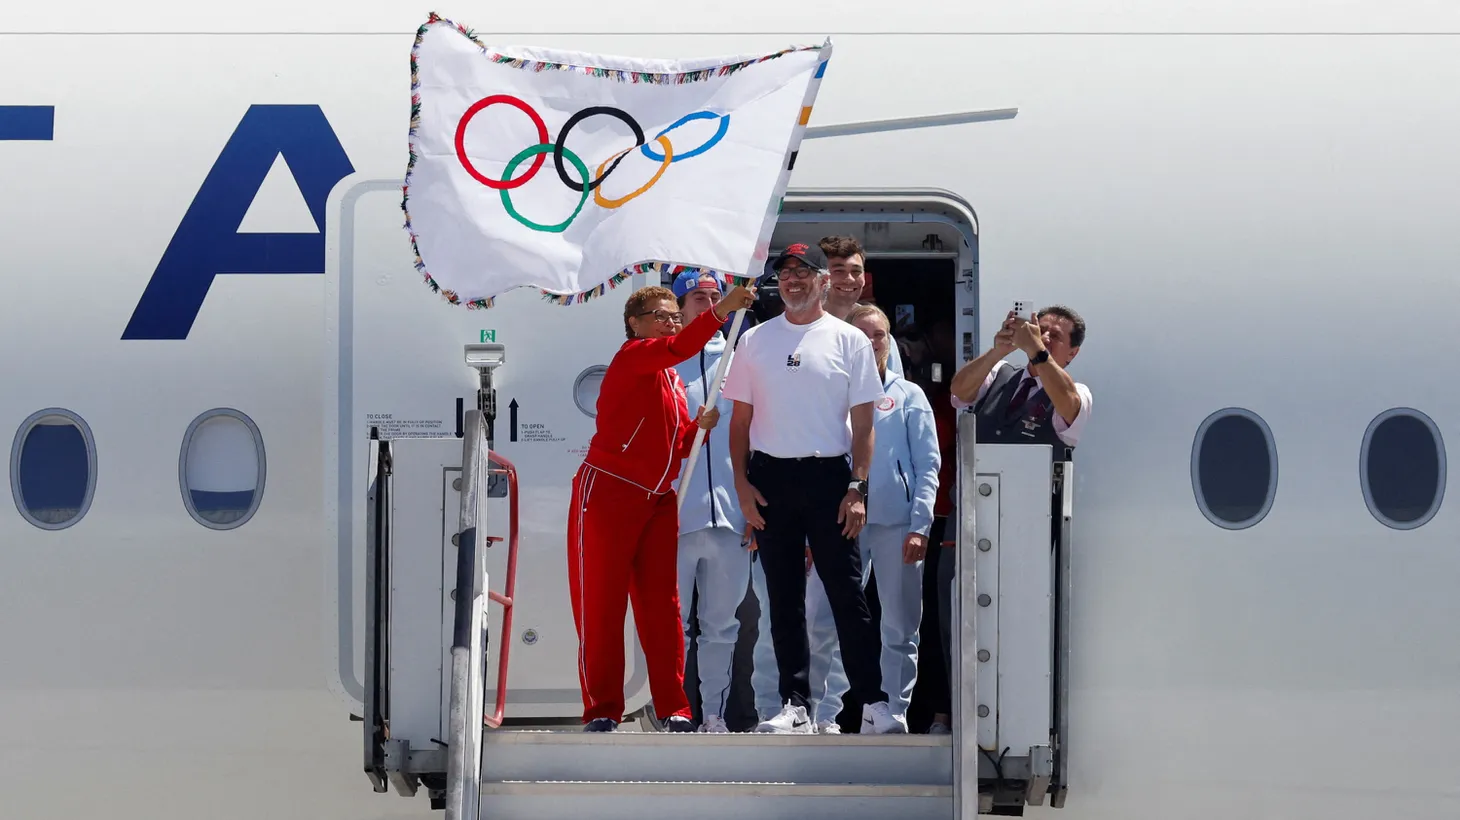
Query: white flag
x=569 y=172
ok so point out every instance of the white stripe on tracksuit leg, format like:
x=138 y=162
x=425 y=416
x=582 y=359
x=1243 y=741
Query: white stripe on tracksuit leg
x=586 y=480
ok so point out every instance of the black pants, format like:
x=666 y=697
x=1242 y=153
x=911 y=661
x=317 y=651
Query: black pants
x=933 y=672
x=803 y=499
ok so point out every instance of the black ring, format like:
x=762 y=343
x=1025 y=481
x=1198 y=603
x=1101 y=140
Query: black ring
x=579 y=117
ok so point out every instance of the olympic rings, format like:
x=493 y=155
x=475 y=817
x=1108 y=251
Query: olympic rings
x=586 y=183
x=506 y=183
x=667 y=158
x=579 y=117
x=710 y=143
x=538 y=151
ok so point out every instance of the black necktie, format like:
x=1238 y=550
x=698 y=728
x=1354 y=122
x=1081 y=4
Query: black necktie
x=1020 y=396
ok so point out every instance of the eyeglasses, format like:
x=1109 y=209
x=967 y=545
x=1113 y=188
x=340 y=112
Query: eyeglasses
x=663 y=317
x=796 y=272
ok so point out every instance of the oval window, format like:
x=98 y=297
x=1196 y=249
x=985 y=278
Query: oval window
x=53 y=469
x=1234 y=468
x=221 y=469
x=585 y=389
x=1402 y=468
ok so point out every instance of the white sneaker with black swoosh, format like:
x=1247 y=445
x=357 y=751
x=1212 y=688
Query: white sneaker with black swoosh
x=792 y=720
x=877 y=719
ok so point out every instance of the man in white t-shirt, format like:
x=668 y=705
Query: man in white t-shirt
x=804 y=384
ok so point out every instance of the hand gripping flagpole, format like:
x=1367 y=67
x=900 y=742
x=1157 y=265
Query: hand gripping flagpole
x=694 y=453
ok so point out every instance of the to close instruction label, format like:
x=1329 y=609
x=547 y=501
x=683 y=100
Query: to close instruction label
x=391 y=427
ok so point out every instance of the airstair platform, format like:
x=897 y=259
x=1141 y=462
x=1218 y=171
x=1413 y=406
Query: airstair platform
x=572 y=775
x=436 y=709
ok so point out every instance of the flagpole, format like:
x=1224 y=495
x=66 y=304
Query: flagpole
x=772 y=217
x=694 y=453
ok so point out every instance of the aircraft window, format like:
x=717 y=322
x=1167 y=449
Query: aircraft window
x=53 y=469
x=585 y=389
x=221 y=469
x=1234 y=468
x=1402 y=468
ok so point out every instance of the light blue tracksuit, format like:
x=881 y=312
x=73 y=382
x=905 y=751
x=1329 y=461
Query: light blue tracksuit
x=902 y=487
x=711 y=556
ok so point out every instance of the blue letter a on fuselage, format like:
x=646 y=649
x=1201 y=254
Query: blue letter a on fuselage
x=208 y=243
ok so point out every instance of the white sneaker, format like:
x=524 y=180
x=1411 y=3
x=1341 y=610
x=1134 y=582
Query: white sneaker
x=791 y=721
x=714 y=724
x=877 y=719
x=828 y=727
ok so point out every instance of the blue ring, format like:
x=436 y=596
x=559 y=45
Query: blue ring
x=649 y=152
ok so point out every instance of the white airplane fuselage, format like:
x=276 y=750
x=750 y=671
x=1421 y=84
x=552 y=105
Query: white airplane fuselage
x=1260 y=221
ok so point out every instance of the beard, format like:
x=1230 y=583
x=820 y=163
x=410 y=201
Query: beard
x=803 y=301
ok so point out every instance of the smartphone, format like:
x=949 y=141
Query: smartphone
x=1023 y=308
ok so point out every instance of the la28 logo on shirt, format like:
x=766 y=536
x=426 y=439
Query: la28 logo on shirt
x=793 y=362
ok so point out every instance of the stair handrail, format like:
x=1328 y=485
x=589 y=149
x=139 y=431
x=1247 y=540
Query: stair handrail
x=468 y=668
x=504 y=644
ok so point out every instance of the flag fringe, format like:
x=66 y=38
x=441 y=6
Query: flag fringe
x=622 y=276
x=619 y=75
x=653 y=78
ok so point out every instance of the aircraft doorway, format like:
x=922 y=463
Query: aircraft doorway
x=917 y=292
x=922 y=252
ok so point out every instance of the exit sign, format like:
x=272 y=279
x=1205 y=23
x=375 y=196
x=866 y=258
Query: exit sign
x=489 y=336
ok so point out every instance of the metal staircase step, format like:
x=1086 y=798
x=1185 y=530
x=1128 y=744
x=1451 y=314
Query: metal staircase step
x=873 y=761
x=711 y=800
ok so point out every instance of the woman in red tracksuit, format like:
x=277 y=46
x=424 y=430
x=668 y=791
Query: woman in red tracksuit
x=623 y=524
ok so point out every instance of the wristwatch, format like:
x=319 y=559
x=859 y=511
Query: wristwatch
x=860 y=487
x=1039 y=358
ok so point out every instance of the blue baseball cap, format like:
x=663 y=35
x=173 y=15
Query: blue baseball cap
x=694 y=279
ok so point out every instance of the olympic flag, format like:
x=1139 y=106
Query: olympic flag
x=570 y=172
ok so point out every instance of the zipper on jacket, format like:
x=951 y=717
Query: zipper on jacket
x=631 y=437
x=905 y=489
x=709 y=470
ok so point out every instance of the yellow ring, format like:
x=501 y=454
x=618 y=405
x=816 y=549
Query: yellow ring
x=663 y=166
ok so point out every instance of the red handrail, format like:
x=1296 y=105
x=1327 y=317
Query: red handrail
x=504 y=639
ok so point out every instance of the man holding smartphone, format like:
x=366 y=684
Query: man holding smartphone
x=1037 y=403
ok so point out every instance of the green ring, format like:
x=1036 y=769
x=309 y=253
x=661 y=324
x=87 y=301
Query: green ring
x=532 y=152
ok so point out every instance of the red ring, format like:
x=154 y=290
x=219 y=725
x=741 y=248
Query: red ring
x=542 y=138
